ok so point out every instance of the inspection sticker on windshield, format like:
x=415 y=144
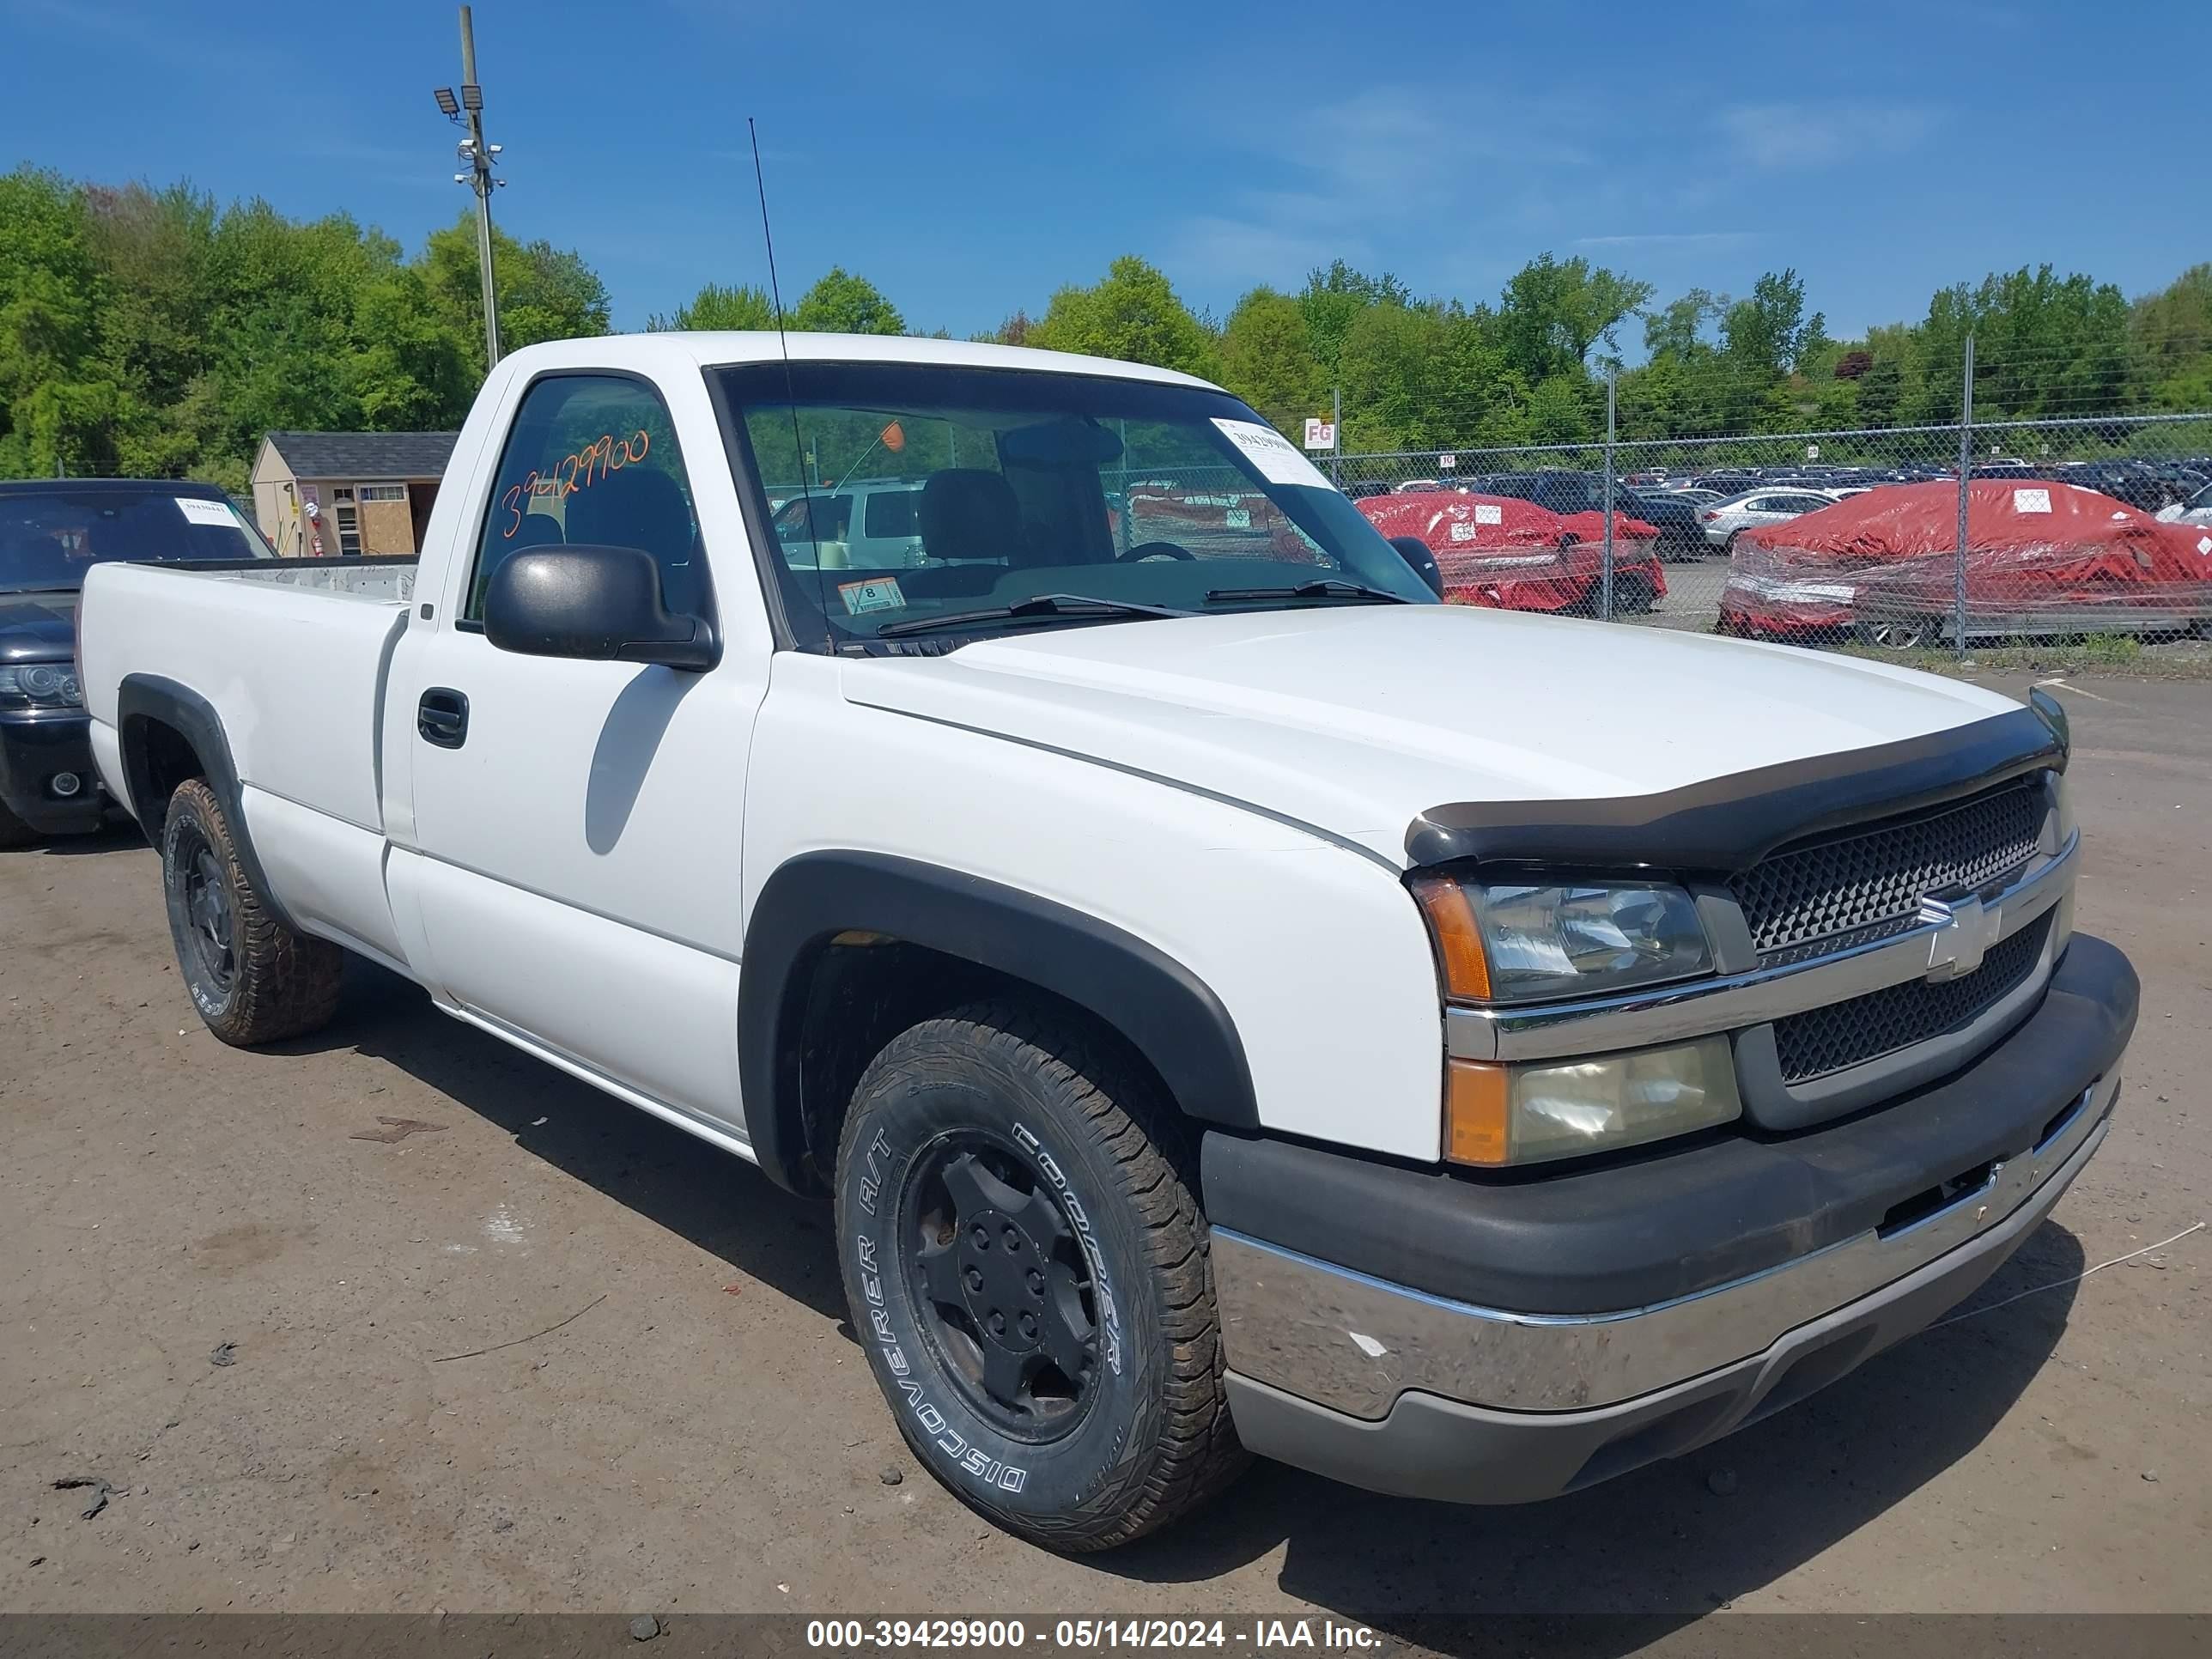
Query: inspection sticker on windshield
x=197 y=511
x=860 y=597
x=1280 y=460
x=2031 y=500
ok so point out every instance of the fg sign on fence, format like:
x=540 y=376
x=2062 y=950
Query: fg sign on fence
x=1320 y=433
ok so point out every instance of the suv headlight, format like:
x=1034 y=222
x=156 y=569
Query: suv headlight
x=50 y=685
x=1517 y=942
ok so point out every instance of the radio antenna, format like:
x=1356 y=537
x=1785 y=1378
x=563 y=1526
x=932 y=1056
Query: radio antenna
x=790 y=397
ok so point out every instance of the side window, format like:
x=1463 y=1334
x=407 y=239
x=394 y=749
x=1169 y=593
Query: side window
x=891 y=513
x=591 y=461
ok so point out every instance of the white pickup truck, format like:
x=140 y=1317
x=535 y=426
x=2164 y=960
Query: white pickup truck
x=1234 y=1002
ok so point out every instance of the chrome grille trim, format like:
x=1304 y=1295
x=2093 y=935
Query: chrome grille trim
x=1870 y=882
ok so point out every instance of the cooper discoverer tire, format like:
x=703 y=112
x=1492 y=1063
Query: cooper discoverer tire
x=252 y=978
x=1028 y=1272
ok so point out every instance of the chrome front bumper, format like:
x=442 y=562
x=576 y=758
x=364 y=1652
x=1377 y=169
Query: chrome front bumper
x=1353 y=1345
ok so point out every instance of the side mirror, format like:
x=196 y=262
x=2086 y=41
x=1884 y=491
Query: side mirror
x=1416 y=552
x=599 y=604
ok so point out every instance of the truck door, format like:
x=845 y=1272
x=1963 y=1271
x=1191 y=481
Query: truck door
x=571 y=866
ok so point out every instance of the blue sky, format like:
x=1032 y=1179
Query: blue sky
x=970 y=158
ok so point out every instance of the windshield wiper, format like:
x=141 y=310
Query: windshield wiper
x=1324 y=587
x=1043 y=604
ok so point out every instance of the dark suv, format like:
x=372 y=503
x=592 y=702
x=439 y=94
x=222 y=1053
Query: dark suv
x=1564 y=490
x=51 y=531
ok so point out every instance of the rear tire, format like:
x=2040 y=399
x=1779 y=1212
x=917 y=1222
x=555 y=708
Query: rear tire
x=1004 y=1171
x=254 y=979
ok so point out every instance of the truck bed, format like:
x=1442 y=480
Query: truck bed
x=291 y=654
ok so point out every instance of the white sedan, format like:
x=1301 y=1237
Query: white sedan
x=1760 y=506
x=2198 y=509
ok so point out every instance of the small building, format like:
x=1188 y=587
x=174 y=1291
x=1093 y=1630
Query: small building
x=344 y=494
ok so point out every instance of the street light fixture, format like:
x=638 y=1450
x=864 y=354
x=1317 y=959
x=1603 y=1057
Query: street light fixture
x=479 y=158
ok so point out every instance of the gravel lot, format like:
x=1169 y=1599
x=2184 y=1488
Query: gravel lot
x=702 y=1434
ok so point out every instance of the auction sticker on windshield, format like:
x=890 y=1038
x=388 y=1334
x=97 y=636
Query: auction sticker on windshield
x=1278 y=460
x=861 y=598
x=199 y=511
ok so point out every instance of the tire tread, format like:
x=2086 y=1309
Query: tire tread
x=1196 y=1454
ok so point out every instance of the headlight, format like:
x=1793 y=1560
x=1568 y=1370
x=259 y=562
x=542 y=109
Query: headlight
x=1505 y=942
x=1497 y=1115
x=52 y=683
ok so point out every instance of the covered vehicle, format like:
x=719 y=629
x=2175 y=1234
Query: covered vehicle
x=1513 y=554
x=1206 y=520
x=2042 y=558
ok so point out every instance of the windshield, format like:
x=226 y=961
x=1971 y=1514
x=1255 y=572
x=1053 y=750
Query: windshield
x=989 y=488
x=50 y=538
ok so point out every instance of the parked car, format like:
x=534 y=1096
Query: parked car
x=1511 y=554
x=1229 y=1006
x=2042 y=559
x=1676 y=533
x=2196 y=509
x=1724 y=522
x=53 y=531
x=866 y=524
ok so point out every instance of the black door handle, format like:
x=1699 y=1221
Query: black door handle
x=442 y=717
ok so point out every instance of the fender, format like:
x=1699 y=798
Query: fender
x=1164 y=1010
x=142 y=698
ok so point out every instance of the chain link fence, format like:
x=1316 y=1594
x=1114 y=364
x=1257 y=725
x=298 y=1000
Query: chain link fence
x=1922 y=539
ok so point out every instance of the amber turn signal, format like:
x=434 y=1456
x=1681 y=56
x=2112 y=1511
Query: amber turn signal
x=1459 y=939
x=1478 y=1104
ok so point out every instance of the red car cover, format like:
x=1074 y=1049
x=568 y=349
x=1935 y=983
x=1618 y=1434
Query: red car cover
x=1216 y=523
x=1502 y=551
x=2040 y=558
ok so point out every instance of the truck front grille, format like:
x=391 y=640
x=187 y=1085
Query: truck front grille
x=1865 y=883
x=1844 y=1034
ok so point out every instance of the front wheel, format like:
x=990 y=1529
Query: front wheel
x=1028 y=1272
x=252 y=978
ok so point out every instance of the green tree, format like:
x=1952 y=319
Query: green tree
x=1333 y=297
x=544 y=293
x=842 y=303
x=58 y=401
x=1553 y=311
x=1769 y=334
x=717 y=307
x=1132 y=314
x=1267 y=359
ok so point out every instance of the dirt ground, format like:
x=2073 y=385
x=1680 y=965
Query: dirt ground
x=702 y=1434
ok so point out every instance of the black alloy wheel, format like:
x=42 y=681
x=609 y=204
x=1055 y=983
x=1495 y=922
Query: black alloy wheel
x=1007 y=1297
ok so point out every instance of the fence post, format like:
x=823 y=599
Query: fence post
x=1336 y=429
x=1965 y=478
x=1605 y=584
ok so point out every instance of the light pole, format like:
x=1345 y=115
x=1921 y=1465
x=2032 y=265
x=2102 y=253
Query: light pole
x=480 y=158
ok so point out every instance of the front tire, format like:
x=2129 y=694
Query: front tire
x=1028 y=1271
x=252 y=978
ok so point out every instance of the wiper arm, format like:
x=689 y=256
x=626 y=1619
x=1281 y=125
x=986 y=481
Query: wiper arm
x=1325 y=587
x=1043 y=604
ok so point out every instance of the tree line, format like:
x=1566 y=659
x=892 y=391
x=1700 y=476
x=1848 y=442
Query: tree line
x=156 y=332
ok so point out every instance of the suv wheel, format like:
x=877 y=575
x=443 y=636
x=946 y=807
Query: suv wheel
x=252 y=978
x=1027 y=1269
